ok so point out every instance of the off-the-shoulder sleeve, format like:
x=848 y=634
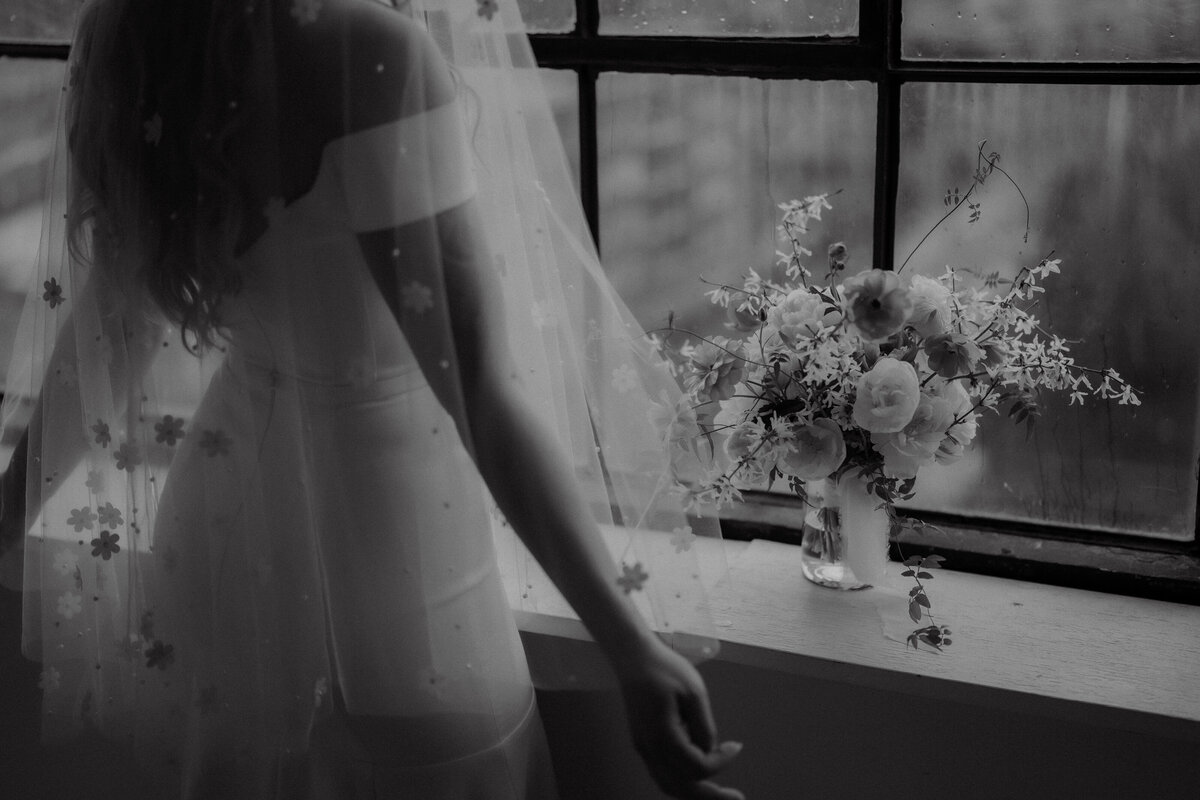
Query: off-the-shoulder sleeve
x=405 y=170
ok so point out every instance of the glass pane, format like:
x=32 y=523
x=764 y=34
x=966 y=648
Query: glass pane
x=37 y=20
x=729 y=17
x=29 y=91
x=562 y=89
x=692 y=169
x=548 y=16
x=1115 y=199
x=1052 y=30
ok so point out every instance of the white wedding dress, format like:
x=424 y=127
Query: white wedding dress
x=268 y=569
x=428 y=692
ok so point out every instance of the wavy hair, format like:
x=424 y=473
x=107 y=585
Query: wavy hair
x=158 y=103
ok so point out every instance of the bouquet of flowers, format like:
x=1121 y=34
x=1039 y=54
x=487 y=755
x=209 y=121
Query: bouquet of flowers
x=864 y=378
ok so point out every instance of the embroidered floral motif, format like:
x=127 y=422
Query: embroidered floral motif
x=169 y=430
x=487 y=8
x=105 y=545
x=624 y=378
x=65 y=562
x=110 y=516
x=70 y=604
x=682 y=539
x=50 y=679
x=103 y=437
x=632 y=578
x=306 y=11
x=153 y=128
x=215 y=443
x=81 y=518
x=417 y=297
x=54 y=293
x=127 y=456
x=160 y=655
x=95 y=480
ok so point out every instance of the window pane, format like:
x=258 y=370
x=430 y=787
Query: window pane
x=1116 y=200
x=1052 y=30
x=562 y=89
x=29 y=93
x=692 y=169
x=37 y=20
x=729 y=17
x=548 y=16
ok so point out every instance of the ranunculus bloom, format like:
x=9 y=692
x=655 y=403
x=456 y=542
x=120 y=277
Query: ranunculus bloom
x=906 y=451
x=741 y=319
x=931 y=306
x=887 y=396
x=801 y=315
x=996 y=353
x=876 y=304
x=819 y=449
x=716 y=368
x=952 y=354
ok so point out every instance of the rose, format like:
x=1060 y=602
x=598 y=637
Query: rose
x=819 y=449
x=887 y=396
x=716 y=368
x=801 y=315
x=931 y=306
x=876 y=304
x=952 y=354
x=916 y=445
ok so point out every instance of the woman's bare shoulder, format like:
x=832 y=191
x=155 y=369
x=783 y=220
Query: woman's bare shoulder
x=375 y=64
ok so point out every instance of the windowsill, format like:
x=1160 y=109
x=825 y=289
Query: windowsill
x=1107 y=660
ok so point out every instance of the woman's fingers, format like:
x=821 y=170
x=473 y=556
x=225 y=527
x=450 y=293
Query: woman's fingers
x=697 y=715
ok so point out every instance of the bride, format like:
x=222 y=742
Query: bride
x=306 y=272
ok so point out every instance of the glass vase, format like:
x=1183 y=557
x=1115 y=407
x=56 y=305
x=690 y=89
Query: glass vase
x=844 y=529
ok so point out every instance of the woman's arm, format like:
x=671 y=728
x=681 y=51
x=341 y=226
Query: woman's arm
x=532 y=482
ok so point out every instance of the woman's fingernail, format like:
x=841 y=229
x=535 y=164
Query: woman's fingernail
x=731 y=748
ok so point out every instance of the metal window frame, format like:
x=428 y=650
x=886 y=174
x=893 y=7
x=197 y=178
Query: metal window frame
x=1055 y=554
x=1047 y=553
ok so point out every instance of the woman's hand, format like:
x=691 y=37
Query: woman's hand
x=672 y=724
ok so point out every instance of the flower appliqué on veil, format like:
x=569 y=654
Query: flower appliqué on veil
x=81 y=519
x=65 y=562
x=682 y=539
x=306 y=11
x=105 y=545
x=160 y=655
x=54 y=293
x=633 y=579
x=624 y=378
x=103 y=437
x=169 y=430
x=127 y=456
x=110 y=516
x=487 y=8
x=50 y=679
x=70 y=604
x=417 y=297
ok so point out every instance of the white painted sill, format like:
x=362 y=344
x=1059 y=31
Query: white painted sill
x=1106 y=660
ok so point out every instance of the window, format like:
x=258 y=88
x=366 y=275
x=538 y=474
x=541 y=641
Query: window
x=698 y=116
x=689 y=120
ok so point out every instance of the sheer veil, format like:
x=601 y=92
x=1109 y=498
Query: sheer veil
x=219 y=405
